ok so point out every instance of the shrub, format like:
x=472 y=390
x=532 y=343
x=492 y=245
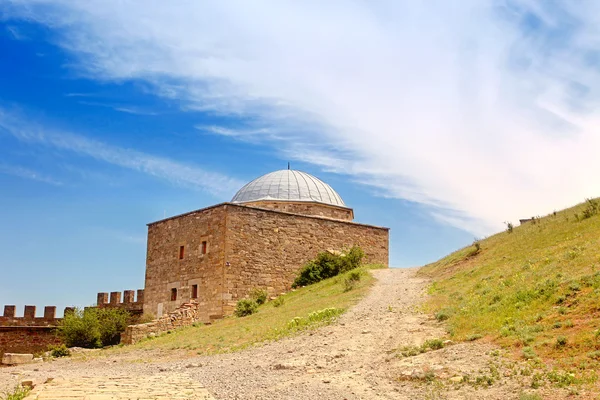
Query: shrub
x=509 y=227
x=19 y=393
x=93 y=327
x=351 y=279
x=324 y=316
x=327 y=265
x=278 y=302
x=592 y=208
x=594 y=355
x=529 y=353
x=474 y=250
x=473 y=337
x=59 y=351
x=146 y=317
x=561 y=341
x=245 y=307
x=442 y=315
x=259 y=295
x=433 y=344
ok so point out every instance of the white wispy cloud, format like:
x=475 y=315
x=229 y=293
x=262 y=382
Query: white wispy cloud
x=15 y=32
x=117 y=107
x=164 y=168
x=27 y=173
x=483 y=111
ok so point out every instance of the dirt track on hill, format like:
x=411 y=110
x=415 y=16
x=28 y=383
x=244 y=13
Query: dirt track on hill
x=355 y=358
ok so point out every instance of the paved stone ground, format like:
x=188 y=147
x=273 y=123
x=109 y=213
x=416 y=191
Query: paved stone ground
x=120 y=388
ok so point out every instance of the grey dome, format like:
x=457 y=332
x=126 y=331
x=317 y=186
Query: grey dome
x=288 y=185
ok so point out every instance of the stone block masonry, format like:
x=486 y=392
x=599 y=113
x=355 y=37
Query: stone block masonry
x=185 y=315
x=28 y=334
x=217 y=255
x=267 y=248
x=129 y=303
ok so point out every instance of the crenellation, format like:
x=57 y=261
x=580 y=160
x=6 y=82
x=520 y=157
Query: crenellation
x=29 y=312
x=115 y=298
x=102 y=298
x=128 y=296
x=9 y=311
x=128 y=302
x=28 y=319
x=50 y=312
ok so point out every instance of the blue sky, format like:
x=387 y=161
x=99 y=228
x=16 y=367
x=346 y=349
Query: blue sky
x=440 y=122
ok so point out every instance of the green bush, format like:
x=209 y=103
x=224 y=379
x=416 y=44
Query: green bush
x=278 y=301
x=245 y=307
x=561 y=341
x=442 y=315
x=19 y=393
x=59 y=351
x=259 y=296
x=433 y=344
x=327 y=265
x=93 y=327
x=529 y=353
x=352 y=279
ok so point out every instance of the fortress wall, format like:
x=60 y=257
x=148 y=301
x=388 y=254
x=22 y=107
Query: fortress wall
x=28 y=334
x=168 y=270
x=265 y=249
x=306 y=208
x=128 y=302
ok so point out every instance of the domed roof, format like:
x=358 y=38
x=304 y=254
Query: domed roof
x=288 y=185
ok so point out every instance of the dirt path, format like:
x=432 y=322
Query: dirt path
x=355 y=358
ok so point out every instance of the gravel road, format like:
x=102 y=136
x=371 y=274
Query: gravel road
x=355 y=358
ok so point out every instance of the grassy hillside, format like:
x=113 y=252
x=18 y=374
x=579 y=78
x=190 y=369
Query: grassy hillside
x=302 y=309
x=535 y=290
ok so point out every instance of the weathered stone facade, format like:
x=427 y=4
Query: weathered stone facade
x=28 y=334
x=220 y=253
x=168 y=271
x=185 y=315
x=306 y=208
x=129 y=303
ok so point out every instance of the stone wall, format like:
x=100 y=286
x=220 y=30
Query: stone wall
x=27 y=339
x=177 y=260
x=29 y=319
x=306 y=208
x=265 y=249
x=185 y=315
x=134 y=306
x=28 y=334
x=245 y=248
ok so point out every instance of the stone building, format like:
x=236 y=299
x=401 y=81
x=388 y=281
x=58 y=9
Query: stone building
x=271 y=227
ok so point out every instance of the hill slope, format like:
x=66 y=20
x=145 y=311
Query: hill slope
x=535 y=289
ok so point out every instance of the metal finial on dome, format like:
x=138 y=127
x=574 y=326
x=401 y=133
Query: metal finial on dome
x=288 y=185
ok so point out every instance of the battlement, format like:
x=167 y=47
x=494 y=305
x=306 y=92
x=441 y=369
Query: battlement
x=129 y=302
x=10 y=318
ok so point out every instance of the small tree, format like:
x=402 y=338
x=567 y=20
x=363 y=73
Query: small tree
x=327 y=265
x=93 y=327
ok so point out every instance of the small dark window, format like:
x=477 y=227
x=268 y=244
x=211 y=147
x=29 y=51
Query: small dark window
x=173 y=294
x=194 y=291
x=204 y=247
x=181 y=252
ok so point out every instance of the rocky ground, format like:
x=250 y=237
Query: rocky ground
x=358 y=357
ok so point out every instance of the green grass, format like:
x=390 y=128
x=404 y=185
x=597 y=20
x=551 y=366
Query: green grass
x=537 y=287
x=305 y=308
x=19 y=393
